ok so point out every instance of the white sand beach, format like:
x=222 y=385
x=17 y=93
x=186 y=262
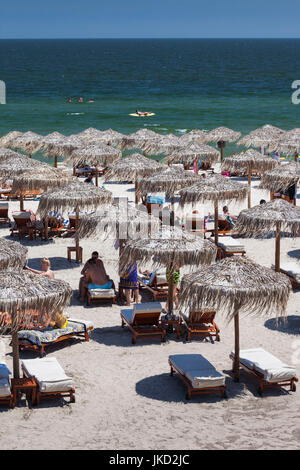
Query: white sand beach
x=125 y=397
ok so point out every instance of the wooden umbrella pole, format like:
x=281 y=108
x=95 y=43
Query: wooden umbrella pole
x=216 y=223
x=296 y=156
x=46 y=227
x=222 y=154
x=76 y=228
x=55 y=161
x=277 y=248
x=96 y=177
x=170 y=289
x=136 y=184
x=21 y=201
x=249 y=191
x=172 y=218
x=74 y=170
x=15 y=348
x=236 y=367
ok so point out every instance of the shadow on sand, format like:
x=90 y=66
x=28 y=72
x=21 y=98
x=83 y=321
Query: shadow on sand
x=289 y=325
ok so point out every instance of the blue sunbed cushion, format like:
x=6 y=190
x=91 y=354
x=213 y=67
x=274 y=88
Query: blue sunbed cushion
x=108 y=285
x=156 y=199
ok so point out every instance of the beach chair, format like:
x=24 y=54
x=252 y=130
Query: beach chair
x=4 y=213
x=39 y=339
x=200 y=323
x=6 y=396
x=224 y=228
x=157 y=284
x=97 y=293
x=228 y=246
x=292 y=270
x=143 y=321
x=267 y=369
x=20 y=225
x=194 y=223
x=51 y=380
x=198 y=374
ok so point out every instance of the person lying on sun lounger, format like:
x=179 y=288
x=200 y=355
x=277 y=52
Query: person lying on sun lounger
x=231 y=218
x=57 y=320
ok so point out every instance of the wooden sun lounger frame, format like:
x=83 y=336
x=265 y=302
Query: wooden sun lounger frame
x=46 y=395
x=222 y=253
x=295 y=284
x=196 y=329
x=264 y=384
x=158 y=291
x=41 y=349
x=91 y=299
x=196 y=391
x=144 y=319
x=7 y=400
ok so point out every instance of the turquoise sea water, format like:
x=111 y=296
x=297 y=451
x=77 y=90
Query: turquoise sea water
x=192 y=83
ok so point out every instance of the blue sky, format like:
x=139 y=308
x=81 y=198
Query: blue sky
x=149 y=19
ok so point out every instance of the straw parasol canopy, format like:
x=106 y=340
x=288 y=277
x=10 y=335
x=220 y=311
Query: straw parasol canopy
x=7 y=153
x=12 y=254
x=262 y=137
x=281 y=178
x=74 y=196
x=133 y=167
x=171 y=248
x=277 y=215
x=121 y=223
x=56 y=144
x=195 y=136
x=249 y=161
x=189 y=153
x=29 y=142
x=96 y=136
x=221 y=135
x=24 y=296
x=165 y=144
x=288 y=143
x=168 y=181
x=8 y=139
x=215 y=188
x=139 y=138
x=236 y=285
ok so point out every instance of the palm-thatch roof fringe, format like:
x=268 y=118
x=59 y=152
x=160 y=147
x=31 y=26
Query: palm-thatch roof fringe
x=26 y=295
x=169 y=181
x=188 y=153
x=249 y=160
x=236 y=284
x=12 y=254
x=264 y=218
x=281 y=178
x=222 y=133
x=132 y=167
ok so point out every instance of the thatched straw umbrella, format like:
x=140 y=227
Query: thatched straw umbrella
x=138 y=139
x=190 y=152
x=288 y=143
x=107 y=137
x=168 y=181
x=236 y=285
x=29 y=142
x=56 y=144
x=74 y=196
x=277 y=215
x=262 y=137
x=8 y=139
x=133 y=167
x=7 y=153
x=29 y=174
x=169 y=248
x=94 y=155
x=12 y=254
x=22 y=295
x=164 y=145
x=249 y=161
x=281 y=178
x=215 y=188
x=195 y=136
x=221 y=135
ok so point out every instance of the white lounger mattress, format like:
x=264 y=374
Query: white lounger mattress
x=198 y=370
x=4 y=372
x=230 y=244
x=48 y=374
x=272 y=368
x=102 y=293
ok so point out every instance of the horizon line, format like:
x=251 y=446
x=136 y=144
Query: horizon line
x=144 y=37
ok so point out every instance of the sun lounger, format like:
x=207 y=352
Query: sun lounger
x=50 y=378
x=267 y=369
x=143 y=320
x=198 y=374
x=99 y=294
x=292 y=270
x=200 y=323
x=156 y=284
x=230 y=246
x=6 y=396
x=38 y=340
x=4 y=213
x=21 y=221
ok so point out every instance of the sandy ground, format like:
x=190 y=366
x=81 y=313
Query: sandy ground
x=125 y=398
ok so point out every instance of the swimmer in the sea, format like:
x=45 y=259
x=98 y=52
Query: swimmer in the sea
x=141 y=113
x=80 y=99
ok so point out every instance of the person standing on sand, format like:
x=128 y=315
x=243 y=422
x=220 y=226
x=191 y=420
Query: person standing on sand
x=46 y=269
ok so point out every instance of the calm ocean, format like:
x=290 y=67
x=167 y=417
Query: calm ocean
x=192 y=83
